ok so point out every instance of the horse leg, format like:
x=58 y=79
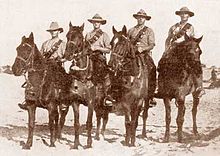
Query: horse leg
x=180 y=118
x=76 y=125
x=134 y=123
x=145 y=115
x=128 y=129
x=53 y=114
x=194 y=112
x=105 y=121
x=89 y=125
x=98 y=117
x=63 y=113
x=31 y=124
x=127 y=112
x=168 y=119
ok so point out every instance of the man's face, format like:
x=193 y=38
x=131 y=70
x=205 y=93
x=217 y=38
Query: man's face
x=184 y=17
x=141 y=20
x=96 y=25
x=55 y=33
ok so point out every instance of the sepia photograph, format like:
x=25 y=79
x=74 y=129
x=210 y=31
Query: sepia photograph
x=122 y=78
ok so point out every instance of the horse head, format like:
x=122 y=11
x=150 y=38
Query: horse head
x=120 y=37
x=122 y=48
x=75 y=42
x=26 y=54
x=193 y=49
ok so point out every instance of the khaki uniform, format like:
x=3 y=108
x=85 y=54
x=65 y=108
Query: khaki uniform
x=47 y=45
x=54 y=64
x=99 y=63
x=103 y=41
x=144 y=41
x=173 y=31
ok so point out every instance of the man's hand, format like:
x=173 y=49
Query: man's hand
x=63 y=60
x=94 y=48
x=140 y=49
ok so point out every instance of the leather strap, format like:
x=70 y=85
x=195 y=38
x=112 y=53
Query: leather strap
x=138 y=36
x=96 y=36
x=53 y=49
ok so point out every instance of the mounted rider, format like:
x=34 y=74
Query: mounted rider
x=99 y=43
x=143 y=39
x=176 y=35
x=52 y=50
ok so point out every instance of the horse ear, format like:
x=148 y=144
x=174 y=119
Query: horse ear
x=70 y=24
x=198 y=40
x=186 y=37
x=124 y=30
x=114 y=30
x=23 y=38
x=82 y=27
x=31 y=37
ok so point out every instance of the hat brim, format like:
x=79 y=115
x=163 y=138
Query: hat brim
x=59 y=29
x=146 y=17
x=184 y=12
x=99 y=21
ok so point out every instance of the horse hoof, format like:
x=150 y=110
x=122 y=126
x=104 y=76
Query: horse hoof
x=97 y=138
x=197 y=136
x=52 y=145
x=144 y=135
x=180 y=140
x=26 y=147
x=74 y=147
x=88 y=146
x=166 y=139
x=132 y=145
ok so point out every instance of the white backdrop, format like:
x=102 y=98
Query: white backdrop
x=21 y=17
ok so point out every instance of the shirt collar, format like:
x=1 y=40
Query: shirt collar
x=95 y=30
x=139 y=26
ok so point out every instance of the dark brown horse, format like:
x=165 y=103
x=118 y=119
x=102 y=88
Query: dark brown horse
x=129 y=95
x=81 y=90
x=176 y=80
x=30 y=62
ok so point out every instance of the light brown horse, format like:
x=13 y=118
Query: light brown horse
x=129 y=95
x=177 y=80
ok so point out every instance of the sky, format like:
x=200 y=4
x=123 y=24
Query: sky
x=19 y=18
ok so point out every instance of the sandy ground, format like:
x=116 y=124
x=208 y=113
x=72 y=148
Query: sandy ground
x=13 y=129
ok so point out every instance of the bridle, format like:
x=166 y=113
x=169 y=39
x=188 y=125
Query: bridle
x=29 y=62
x=119 y=57
x=78 y=53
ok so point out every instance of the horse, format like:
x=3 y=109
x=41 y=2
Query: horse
x=176 y=80
x=133 y=94
x=81 y=90
x=30 y=62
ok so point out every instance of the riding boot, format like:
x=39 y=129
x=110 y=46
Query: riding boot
x=90 y=71
x=152 y=80
x=23 y=105
x=109 y=100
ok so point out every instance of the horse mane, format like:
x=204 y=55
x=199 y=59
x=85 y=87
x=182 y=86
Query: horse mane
x=39 y=61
